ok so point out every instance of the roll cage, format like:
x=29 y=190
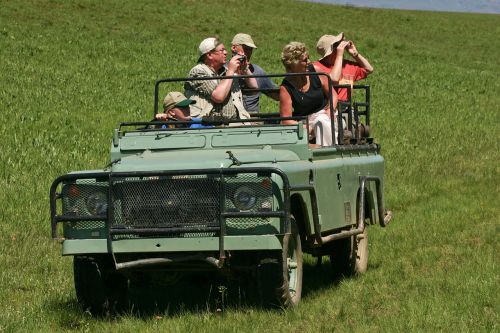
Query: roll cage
x=352 y=110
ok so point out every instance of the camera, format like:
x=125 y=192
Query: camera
x=242 y=58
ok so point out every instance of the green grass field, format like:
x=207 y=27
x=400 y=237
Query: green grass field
x=71 y=71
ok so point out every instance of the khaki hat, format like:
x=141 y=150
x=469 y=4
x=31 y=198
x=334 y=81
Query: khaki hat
x=324 y=46
x=243 y=39
x=174 y=99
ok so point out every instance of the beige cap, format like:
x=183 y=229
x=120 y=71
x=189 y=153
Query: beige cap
x=324 y=45
x=174 y=99
x=243 y=39
x=207 y=45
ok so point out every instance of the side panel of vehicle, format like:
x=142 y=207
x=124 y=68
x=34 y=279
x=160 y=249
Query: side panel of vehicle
x=367 y=165
x=336 y=179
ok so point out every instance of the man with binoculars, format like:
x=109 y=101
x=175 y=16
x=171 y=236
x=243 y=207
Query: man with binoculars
x=331 y=49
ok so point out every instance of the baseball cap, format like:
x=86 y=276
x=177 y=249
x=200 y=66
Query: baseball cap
x=324 y=45
x=207 y=45
x=243 y=39
x=174 y=99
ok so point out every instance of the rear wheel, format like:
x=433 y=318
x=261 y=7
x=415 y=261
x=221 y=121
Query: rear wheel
x=280 y=273
x=349 y=256
x=360 y=253
x=99 y=288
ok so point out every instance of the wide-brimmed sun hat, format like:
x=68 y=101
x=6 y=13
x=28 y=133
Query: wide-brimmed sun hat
x=324 y=45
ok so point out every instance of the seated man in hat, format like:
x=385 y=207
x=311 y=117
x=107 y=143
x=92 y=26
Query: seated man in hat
x=176 y=107
x=243 y=44
x=331 y=49
x=218 y=97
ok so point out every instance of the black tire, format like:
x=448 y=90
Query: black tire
x=99 y=288
x=340 y=257
x=349 y=256
x=280 y=273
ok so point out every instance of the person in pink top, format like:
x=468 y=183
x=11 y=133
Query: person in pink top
x=331 y=49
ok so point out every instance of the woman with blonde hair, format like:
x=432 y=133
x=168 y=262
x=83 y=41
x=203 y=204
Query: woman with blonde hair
x=306 y=95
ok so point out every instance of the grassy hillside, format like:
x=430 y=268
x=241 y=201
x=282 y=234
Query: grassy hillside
x=71 y=71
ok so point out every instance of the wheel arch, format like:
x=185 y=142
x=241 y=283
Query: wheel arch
x=298 y=209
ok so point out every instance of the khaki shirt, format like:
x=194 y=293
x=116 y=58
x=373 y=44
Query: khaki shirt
x=201 y=91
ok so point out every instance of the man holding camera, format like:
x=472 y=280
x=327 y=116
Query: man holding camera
x=243 y=44
x=220 y=97
x=331 y=50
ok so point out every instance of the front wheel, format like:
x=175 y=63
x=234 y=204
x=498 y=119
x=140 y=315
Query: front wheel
x=280 y=273
x=99 y=289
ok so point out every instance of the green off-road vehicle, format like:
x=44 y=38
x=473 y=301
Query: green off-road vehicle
x=243 y=199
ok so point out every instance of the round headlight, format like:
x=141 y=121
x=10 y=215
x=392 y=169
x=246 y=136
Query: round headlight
x=244 y=198
x=97 y=203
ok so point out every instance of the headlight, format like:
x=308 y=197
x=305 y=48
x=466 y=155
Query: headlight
x=97 y=203
x=244 y=198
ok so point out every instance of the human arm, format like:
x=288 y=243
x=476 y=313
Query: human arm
x=267 y=85
x=286 y=106
x=273 y=94
x=333 y=97
x=244 y=69
x=264 y=83
x=223 y=89
x=336 y=71
x=360 y=60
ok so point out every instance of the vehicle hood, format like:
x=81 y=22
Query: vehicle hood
x=200 y=159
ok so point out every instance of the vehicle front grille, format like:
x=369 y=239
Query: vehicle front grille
x=145 y=204
x=166 y=202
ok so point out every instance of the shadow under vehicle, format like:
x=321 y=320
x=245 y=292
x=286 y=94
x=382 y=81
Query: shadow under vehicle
x=243 y=199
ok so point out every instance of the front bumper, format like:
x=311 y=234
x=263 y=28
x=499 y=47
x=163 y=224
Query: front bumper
x=157 y=245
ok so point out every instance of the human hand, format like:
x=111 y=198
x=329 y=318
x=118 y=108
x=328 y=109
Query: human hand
x=243 y=63
x=242 y=69
x=161 y=116
x=342 y=45
x=234 y=64
x=351 y=48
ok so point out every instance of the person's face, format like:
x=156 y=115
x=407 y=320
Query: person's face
x=180 y=113
x=243 y=49
x=219 y=54
x=301 y=66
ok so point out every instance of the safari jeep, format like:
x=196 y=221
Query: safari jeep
x=241 y=198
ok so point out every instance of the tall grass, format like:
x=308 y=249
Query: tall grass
x=70 y=71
